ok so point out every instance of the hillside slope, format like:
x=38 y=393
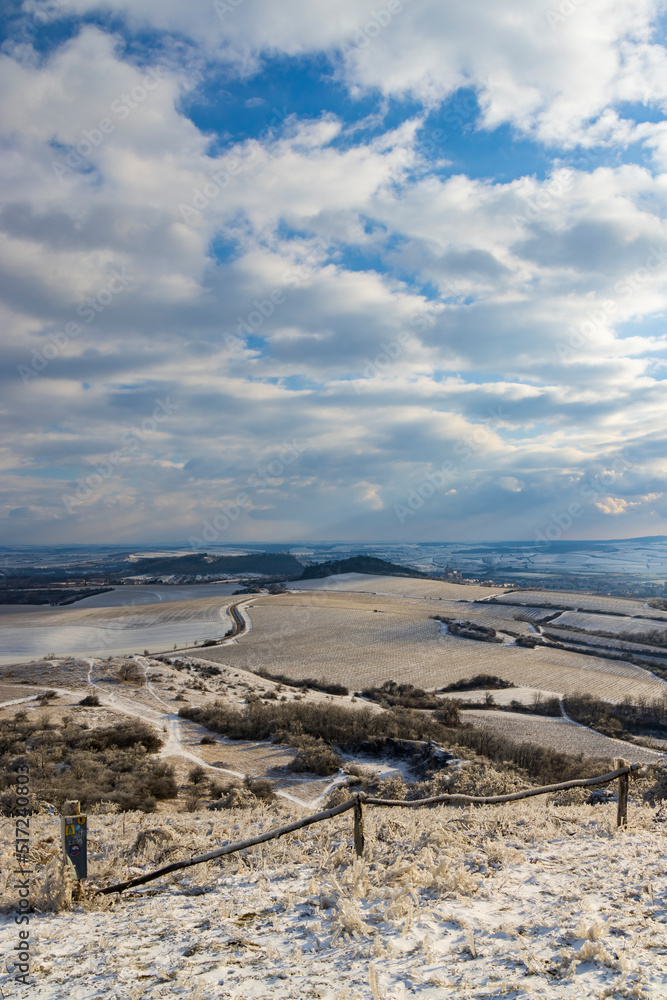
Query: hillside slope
x=359 y=564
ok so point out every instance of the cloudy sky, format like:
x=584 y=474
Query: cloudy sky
x=324 y=269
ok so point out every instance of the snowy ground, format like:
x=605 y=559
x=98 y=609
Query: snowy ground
x=521 y=900
x=562 y=735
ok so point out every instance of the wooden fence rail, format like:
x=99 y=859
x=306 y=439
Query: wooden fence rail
x=622 y=773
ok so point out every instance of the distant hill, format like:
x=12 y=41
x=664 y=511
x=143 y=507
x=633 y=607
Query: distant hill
x=265 y=563
x=359 y=564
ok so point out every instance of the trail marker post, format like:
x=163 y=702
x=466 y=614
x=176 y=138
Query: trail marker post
x=623 y=787
x=73 y=830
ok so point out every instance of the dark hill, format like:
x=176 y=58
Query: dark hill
x=266 y=563
x=359 y=564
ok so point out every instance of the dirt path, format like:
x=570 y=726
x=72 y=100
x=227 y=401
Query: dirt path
x=18 y=701
x=165 y=719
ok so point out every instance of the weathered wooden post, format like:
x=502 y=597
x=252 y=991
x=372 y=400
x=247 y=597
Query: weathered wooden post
x=359 y=839
x=73 y=829
x=623 y=786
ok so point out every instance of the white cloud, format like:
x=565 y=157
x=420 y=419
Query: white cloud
x=556 y=80
x=511 y=484
x=615 y=505
x=531 y=362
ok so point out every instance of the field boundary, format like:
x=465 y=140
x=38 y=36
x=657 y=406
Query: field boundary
x=622 y=772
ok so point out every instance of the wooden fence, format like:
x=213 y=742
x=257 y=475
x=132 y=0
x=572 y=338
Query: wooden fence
x=622 y=772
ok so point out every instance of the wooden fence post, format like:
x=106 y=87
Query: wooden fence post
x=623 y=786
x=359 y=839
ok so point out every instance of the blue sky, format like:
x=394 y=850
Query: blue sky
x=329 y=269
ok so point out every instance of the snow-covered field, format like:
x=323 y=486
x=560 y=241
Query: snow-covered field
x=637 y=627
x=113 y=630
x=360 y=640
x=587 y=602
x=397 y=586
x=524 y=900
x=561 y=735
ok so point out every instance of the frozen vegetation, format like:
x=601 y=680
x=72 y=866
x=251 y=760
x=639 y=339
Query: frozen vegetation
x=529 y=899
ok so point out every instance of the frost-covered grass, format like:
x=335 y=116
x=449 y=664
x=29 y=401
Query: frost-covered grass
x=522 y=900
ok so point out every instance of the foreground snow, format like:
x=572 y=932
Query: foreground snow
x=521 y=900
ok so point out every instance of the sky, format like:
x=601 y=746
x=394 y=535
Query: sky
x=327 y=269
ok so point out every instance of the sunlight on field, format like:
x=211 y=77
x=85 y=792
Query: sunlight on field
x=112 y=630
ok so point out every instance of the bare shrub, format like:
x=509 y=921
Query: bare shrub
x=480 y=682
x=539 y=706
x=619 y=719
x=321 y=684
x=233 y=795
x=129 y=672
x=90 y=701
x=290 y=722
x=403 y=695
x=261 y=788
x=448 y=713
x=543 y=765
x=316 y=757
x=193 y=797
x=111 y=763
